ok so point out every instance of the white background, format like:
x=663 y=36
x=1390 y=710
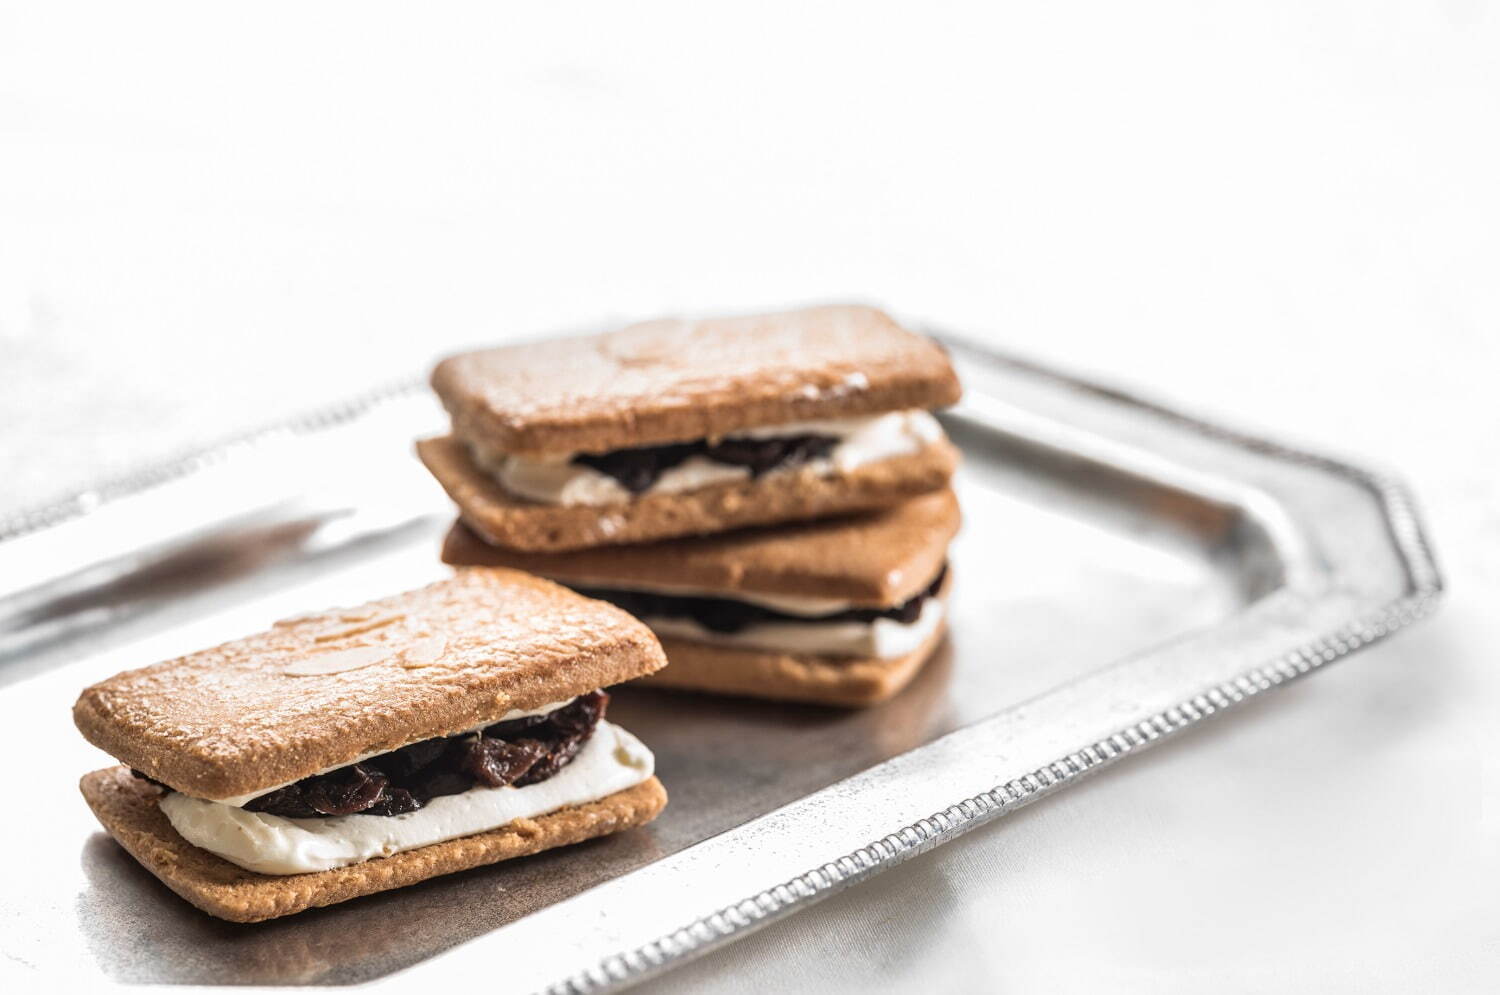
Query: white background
x=1285 y=214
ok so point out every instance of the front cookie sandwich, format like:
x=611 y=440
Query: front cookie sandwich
x=680 y=427
x=840 y=611
x=361 y=749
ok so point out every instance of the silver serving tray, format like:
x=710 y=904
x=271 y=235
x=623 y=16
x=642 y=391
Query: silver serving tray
x=1125 y=572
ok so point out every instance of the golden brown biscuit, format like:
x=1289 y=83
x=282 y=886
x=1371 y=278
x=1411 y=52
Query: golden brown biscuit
x=322 y=690
x=503 y=519
x=876 y=558
x=821 y=680
x=127 y=808
x=676 y=379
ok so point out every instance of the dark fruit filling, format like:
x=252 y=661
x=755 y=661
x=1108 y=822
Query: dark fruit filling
x=638 y=469
x=520 y=752
x=728 y=616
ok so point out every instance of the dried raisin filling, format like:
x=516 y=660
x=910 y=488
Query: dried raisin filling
x=637 y=470
x=726 y=615
x=516 y=752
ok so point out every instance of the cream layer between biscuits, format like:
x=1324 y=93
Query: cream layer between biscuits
x=883 y=638
x=611 y=761
x=869 y=439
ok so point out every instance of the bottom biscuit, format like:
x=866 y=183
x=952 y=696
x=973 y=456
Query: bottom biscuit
x=503 y=519
x=127 y=808
x=822 y=680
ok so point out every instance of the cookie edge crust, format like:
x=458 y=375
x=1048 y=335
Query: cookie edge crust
x=127 y=809
x=819 y=680
x=728 y=572
x=502 y=519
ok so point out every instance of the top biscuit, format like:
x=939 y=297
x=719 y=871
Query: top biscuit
x=877 y=559
x=676 y=379
x=322 y=690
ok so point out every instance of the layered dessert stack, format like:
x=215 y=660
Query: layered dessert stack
x=769 y=494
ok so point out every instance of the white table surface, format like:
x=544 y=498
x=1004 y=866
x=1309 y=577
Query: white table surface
x=1283 y=214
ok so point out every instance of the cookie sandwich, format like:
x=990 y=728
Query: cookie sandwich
x=689 y=427
x=839 y=611
x=362 y=749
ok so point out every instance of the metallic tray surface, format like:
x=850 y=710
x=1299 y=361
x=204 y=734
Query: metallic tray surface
x=1124 y=573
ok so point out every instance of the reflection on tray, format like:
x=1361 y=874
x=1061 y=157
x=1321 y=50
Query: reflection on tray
x=139 y=931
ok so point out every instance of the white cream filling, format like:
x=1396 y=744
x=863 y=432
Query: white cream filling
x=557 y=480
x=612 y=760
x=884 y=638
x=518 y=713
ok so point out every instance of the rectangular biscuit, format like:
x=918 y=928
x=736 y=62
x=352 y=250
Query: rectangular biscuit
x=679 y=379
x=322 y=690
x=819 y=680
x=127 y=808
x=874 y=559
x=503 y=519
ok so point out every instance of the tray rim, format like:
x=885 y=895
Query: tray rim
x=737 y=919
x=1395 y=500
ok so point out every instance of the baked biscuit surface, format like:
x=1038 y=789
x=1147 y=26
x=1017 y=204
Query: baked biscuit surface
x=319 y=691
x=877 y=558
x=845 y=683
x=677 y=379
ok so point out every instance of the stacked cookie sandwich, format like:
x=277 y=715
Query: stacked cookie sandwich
x=768 y=493
x=364 y=749
x=673 y=428
x=840 y=611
